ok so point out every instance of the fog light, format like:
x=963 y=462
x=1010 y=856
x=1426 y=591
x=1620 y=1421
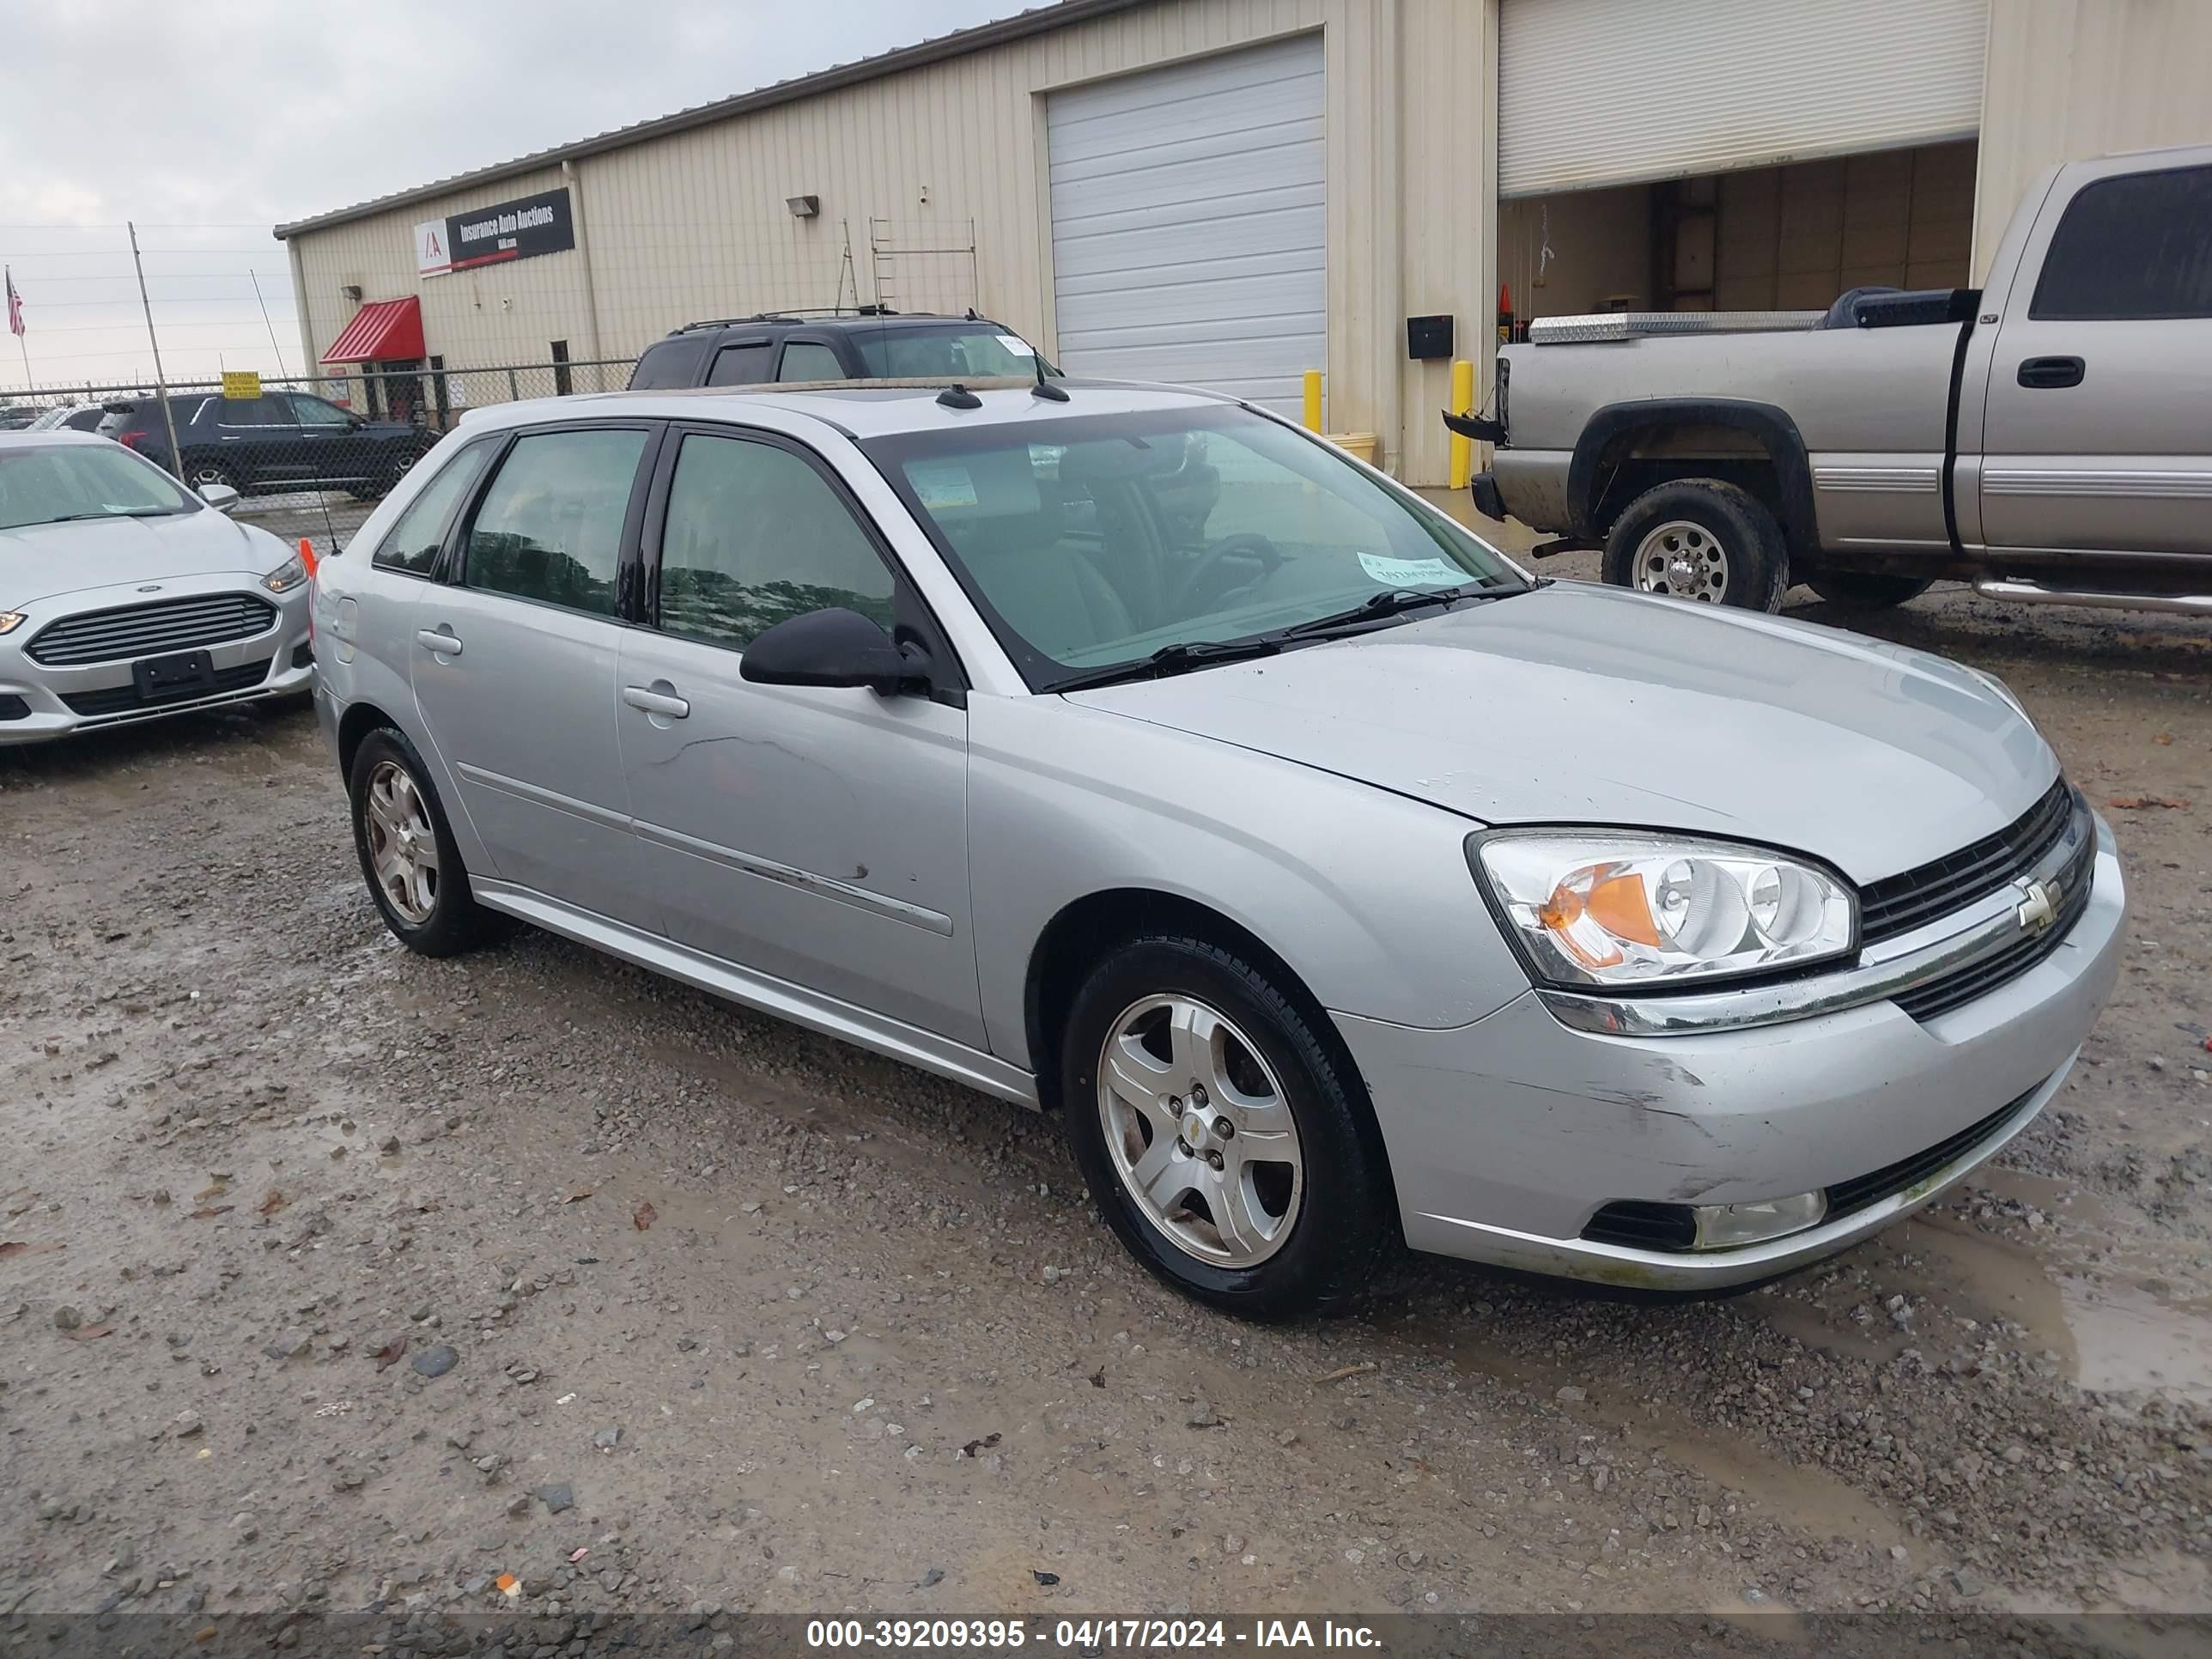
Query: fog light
x=1724 y=1227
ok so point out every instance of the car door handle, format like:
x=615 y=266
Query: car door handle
x=2043 y=374
x=444 y=644
x=656 y=703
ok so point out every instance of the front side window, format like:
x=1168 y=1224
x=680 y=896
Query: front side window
x=1097 y=541
x=753 y=536
x=313 y=411
x=74 y=482
x=264 y=411
x=804 y=360
x=2132 y=248
x=413 y=542
x=549 y=528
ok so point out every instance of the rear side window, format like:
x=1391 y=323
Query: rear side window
x=413 y=543
x=2134 y=248
x=668 y=363
x=549 y=528
x=254 y=411
x=742 y=365
x=803 y=359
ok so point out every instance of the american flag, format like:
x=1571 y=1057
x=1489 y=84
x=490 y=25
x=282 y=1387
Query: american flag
x=15 y=307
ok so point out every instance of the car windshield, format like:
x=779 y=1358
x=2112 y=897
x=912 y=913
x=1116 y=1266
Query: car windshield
x=1094 y=542
x=981 y=350
x=71 y=482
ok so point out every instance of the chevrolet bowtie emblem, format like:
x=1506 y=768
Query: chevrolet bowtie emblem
x=2039 y=908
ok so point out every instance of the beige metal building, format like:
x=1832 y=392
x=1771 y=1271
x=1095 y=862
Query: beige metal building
x=1231 y=191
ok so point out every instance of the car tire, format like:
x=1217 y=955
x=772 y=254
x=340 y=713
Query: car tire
x=199 y=473
x=437 y=918
x=1330 y=1205
x=1865 y=590
x=1702 y=539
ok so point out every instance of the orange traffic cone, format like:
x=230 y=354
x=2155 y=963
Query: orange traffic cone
x=307 y=556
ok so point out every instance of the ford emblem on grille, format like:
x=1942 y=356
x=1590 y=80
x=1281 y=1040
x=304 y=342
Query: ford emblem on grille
x=2038 y=906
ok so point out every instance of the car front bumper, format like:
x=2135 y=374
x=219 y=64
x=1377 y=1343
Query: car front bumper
x=65 y=701
x=1507 y=1136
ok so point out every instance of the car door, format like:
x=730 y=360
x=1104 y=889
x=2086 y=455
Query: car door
x=2097 y=434
x=258 y=442
x=816 y=836
x=514 y=659
x=336 y=450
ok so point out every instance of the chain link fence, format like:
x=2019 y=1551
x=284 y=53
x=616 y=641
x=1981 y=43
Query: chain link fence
x=308 y=456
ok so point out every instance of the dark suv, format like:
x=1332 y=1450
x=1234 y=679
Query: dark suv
x=279 y=440
x=870 y=344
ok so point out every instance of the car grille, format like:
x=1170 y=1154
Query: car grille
x=151 y=630
x=1900 y=903
x=1890 y=1179
x=1644 y=1225
x=124 y=699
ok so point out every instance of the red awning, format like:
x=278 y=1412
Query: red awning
x=381 y=331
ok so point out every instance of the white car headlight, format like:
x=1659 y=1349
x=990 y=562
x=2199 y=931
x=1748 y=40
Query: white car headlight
x=1605 y=908
x=286 y=576
x=10 y=621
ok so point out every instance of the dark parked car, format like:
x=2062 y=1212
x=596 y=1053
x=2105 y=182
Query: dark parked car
x=279 y=440
x=872 y=344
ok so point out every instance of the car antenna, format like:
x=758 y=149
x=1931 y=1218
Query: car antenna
x=1044 y=388
x=957 y=396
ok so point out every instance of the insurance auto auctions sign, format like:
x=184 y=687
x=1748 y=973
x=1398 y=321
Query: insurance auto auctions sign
x=488 y=236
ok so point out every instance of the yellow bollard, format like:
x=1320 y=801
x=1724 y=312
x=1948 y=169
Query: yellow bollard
x=1462 y=403
x=1313 y=400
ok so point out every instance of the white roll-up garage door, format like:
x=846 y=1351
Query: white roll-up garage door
x=1188 y=233
x=1614 y=91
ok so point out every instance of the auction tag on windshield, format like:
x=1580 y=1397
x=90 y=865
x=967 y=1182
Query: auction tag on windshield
x=942 y=484
x=1018 y=346
x=1412 y=573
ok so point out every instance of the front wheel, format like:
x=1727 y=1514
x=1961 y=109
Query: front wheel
x=1230 y=1152
x=1864 y=590
x=200 y=474
x=1701 y=539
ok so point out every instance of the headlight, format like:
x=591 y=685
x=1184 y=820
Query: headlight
x=10 y=621
x=1598 y=907
x=286 y=576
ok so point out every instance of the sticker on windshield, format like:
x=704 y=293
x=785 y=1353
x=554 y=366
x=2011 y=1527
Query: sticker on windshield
x=1015 y=344
x=941 y=484
x=1412 y=573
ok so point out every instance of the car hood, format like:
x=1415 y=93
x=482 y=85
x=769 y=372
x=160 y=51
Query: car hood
x=40 y=561
x=1580 y=704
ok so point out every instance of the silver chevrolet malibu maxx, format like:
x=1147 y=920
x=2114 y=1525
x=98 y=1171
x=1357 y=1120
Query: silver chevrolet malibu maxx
x=1129 y=752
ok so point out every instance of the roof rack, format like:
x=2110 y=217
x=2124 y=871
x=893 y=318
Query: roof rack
x=792 y=314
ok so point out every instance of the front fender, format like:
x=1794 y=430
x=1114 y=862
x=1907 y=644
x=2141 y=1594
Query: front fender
x=1365 y=894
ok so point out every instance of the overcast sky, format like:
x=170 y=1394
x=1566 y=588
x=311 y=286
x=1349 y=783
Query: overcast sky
x=208 y=122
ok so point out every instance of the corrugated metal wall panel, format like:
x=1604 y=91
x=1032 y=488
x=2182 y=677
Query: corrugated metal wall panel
x=1609 y=91
x=1794 y=237
x=1190 y=233
x=2070 y=79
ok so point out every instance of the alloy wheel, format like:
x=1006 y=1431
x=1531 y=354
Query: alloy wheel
x=1682 y=559
x=403 y=848
x=1201 y=1131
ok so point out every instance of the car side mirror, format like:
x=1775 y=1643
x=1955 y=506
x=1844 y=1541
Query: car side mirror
x=222 y=497
x=835 y=646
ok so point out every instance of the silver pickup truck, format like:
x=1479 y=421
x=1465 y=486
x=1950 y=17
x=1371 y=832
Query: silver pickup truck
x=2047 y=437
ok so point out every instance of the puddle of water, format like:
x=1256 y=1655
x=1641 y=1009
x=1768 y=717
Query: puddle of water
x=2127 y=1338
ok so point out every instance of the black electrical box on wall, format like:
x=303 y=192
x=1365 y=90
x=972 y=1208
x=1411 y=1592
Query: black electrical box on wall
x=1428 y=337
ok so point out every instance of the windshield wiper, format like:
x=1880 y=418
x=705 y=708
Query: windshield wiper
x=1177 y=659
x=1375 y=605
x=120 y=513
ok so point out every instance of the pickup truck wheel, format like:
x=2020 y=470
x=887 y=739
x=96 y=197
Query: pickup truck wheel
x=1864 y=590
x=1702 y=539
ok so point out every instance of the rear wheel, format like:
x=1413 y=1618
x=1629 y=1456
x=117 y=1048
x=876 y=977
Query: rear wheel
x=407 y=852
x=200 y=474
x=1864 y=590
x=1701 y=539
x=1229 y=1151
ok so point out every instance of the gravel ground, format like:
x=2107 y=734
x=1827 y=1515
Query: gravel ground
x=335 y=1279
